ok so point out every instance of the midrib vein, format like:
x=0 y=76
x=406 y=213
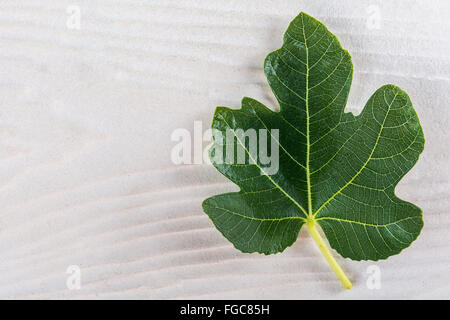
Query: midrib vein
x=308 y=146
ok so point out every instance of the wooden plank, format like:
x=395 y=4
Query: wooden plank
x=85 y=135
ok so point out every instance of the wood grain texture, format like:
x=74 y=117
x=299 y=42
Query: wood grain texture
x=86 y=174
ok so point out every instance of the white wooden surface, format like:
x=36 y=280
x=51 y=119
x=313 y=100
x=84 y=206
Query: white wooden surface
x=85 y=123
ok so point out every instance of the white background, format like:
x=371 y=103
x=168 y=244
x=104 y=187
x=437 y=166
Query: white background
x=85 y=123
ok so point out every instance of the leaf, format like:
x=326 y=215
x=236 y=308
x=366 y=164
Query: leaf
x=336 y=170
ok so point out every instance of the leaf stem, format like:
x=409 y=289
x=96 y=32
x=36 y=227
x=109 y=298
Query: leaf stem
x=327 y=254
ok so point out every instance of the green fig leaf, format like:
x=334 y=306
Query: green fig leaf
x=336 y=170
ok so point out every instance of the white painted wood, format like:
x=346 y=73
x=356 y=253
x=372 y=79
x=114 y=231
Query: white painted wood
x=85 y=124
